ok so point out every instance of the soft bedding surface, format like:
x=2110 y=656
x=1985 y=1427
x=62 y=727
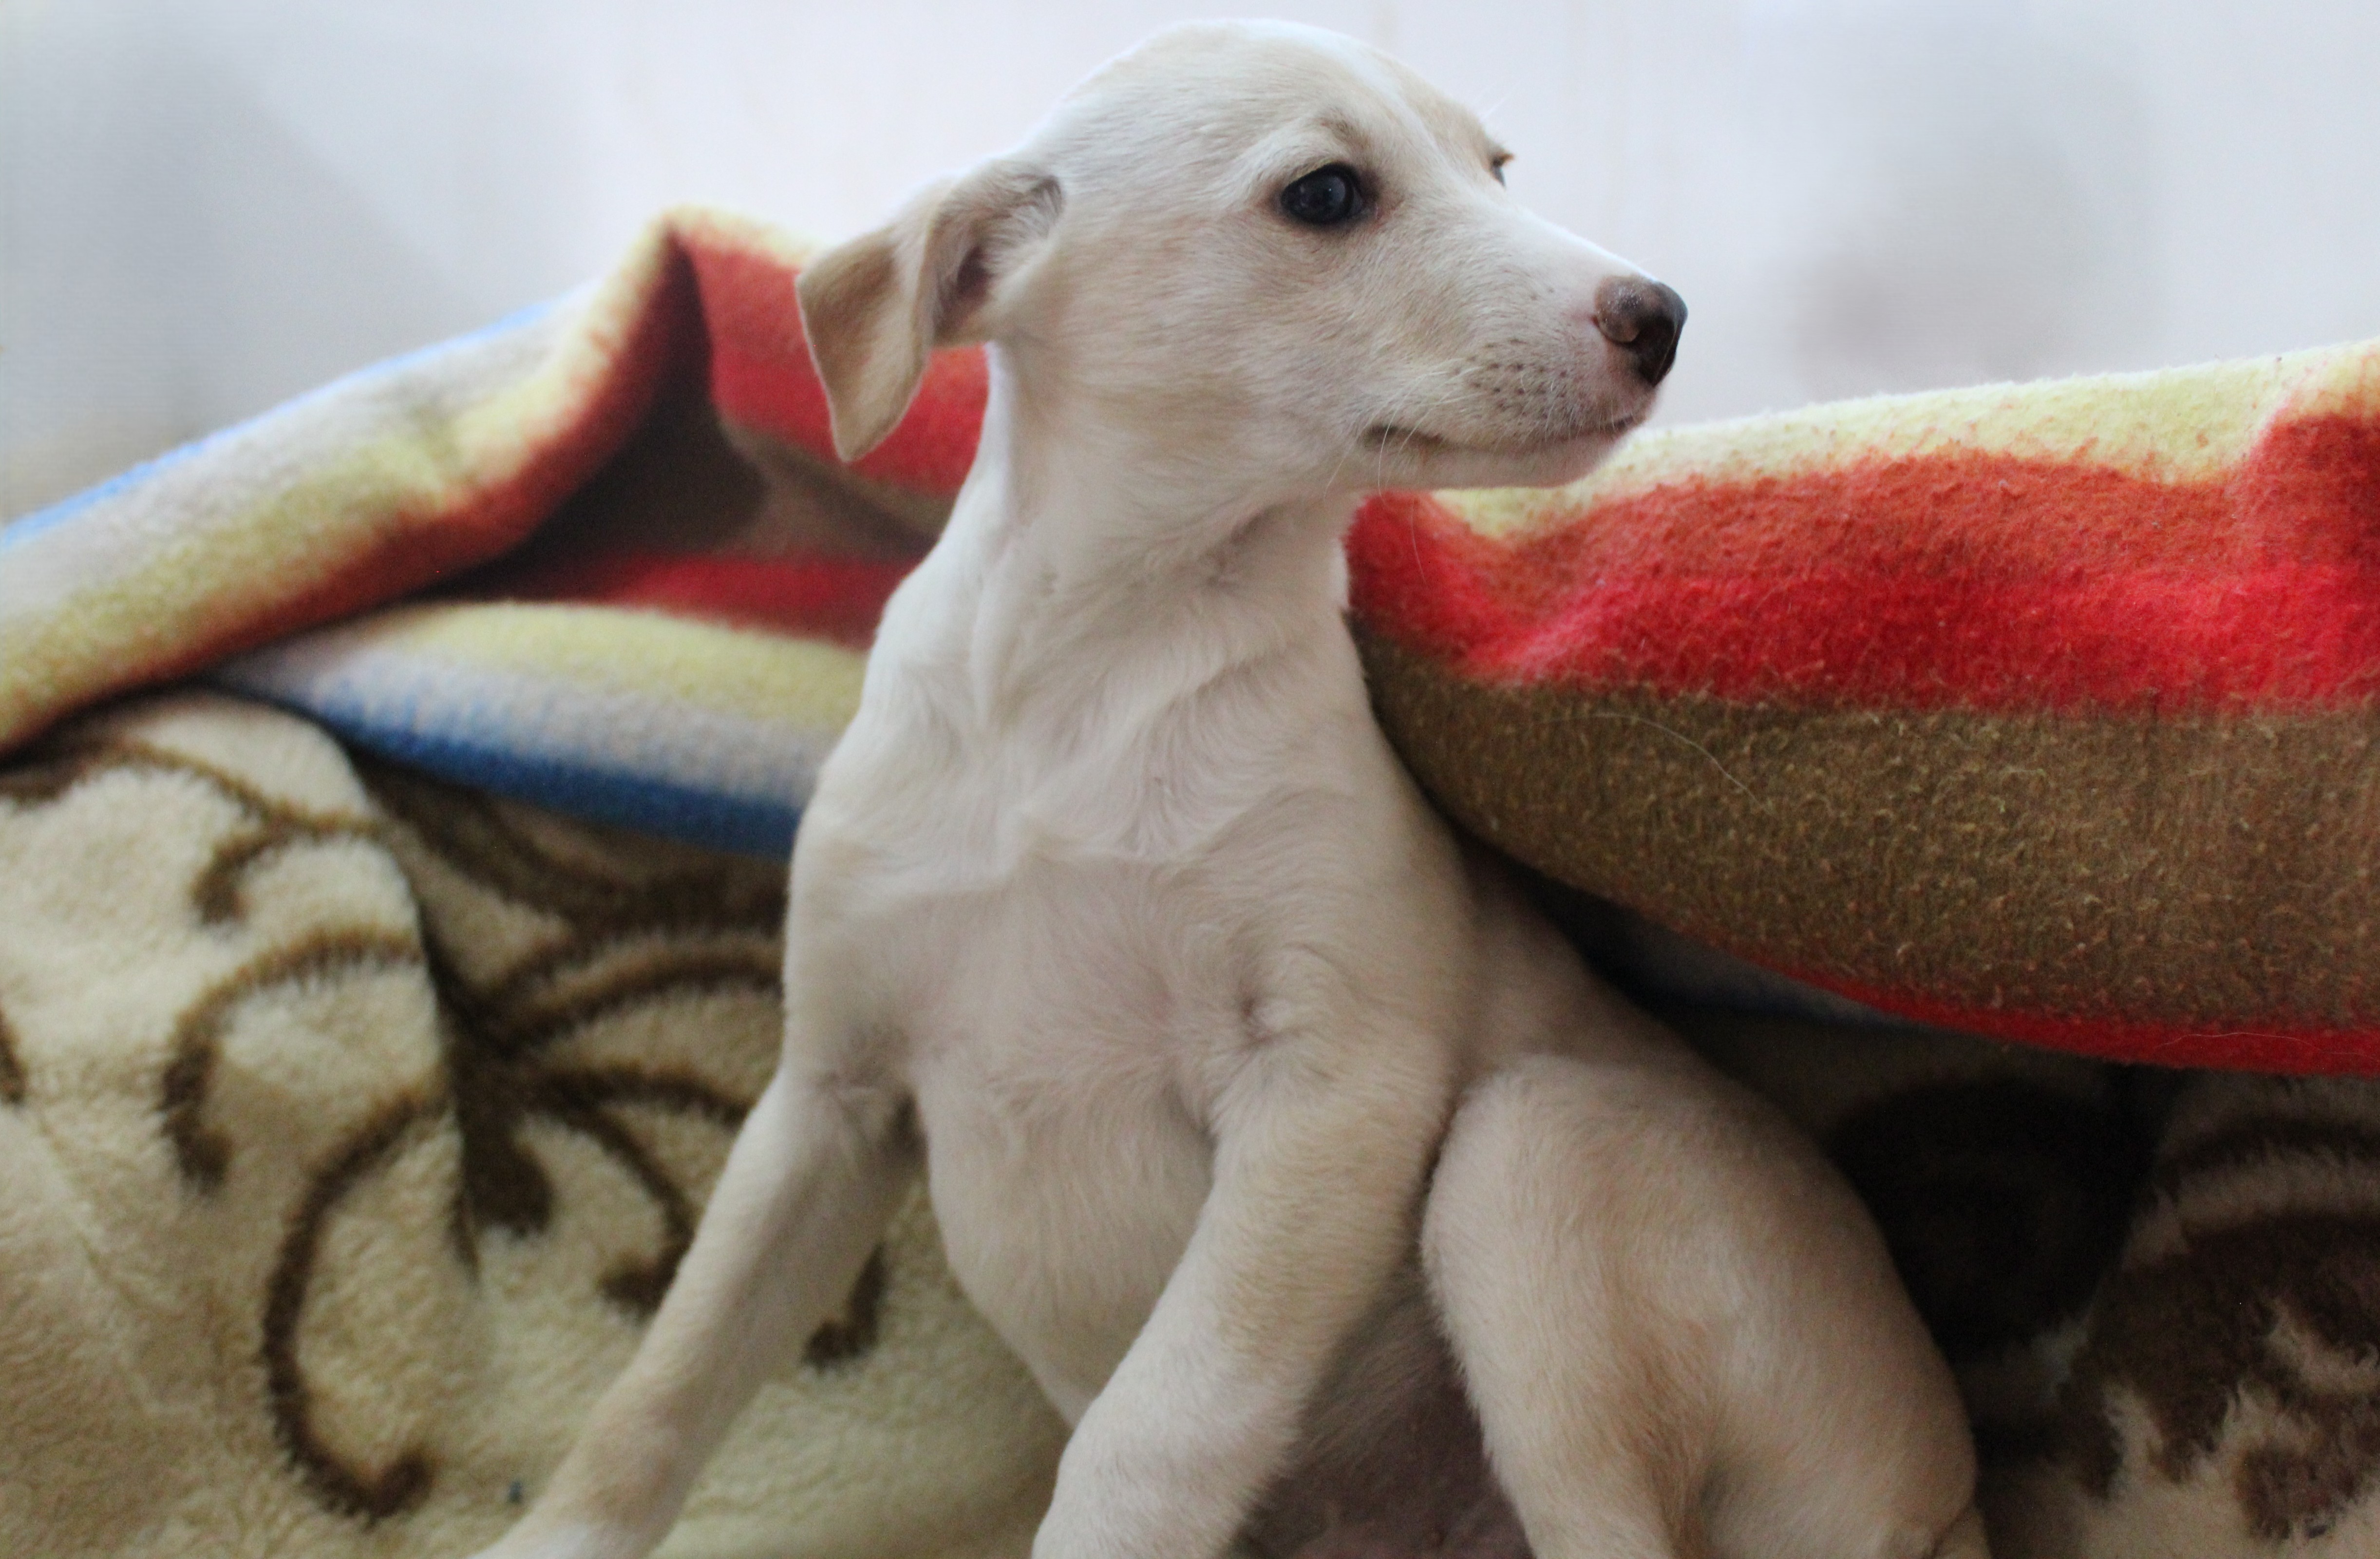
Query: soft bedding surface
x=352 y=1123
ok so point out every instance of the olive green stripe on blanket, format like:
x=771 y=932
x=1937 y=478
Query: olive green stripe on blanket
x=1988 y=861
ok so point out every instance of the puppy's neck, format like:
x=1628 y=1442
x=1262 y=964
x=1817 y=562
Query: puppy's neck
x=1095 y=539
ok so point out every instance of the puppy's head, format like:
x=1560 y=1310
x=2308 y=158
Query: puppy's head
x=1264 y=245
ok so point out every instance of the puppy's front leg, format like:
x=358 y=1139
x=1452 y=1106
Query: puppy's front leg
x=805 y=1196
x=1317 y=1160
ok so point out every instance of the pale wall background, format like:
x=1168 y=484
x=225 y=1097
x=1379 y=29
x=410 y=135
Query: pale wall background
x=206 y=205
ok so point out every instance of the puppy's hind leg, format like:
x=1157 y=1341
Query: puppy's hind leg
x=1680 y=1332
x=1590 y=1430
x=805 y=1194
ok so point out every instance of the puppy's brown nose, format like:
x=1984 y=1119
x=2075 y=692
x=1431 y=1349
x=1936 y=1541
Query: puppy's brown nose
x=1642 y=318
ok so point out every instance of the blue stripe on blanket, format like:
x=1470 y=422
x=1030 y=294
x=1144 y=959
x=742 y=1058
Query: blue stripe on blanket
x=743 y=824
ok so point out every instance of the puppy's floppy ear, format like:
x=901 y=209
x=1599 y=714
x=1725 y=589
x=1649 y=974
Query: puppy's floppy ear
x=875 y=307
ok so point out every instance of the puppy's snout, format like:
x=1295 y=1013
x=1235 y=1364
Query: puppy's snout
x=1642 y=318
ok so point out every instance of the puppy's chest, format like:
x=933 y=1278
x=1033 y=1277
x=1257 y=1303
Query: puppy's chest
x=1130 y=761
x=1076 y=925
x=1059 y=1073
x=1081 y=925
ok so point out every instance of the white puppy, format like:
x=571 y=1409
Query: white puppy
x=1238 y=1084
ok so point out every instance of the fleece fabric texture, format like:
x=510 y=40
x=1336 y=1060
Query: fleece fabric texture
x=2047 y=711
x=2044 y=710
x=353 y=1123
x=2159 y=1291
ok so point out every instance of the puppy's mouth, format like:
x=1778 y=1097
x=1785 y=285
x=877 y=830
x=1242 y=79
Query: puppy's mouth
x=1396 y=438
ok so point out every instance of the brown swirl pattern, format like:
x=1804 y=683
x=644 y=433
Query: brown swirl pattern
x=2279 y=1305
x=632 y=938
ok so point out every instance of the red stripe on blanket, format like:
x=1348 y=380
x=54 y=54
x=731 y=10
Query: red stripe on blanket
x=837 y=599
x=2249 y=1045
x=760 y=375
x=2261 y=587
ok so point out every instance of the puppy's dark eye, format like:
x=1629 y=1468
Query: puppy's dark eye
x=1496 y=164
x=1324 y=198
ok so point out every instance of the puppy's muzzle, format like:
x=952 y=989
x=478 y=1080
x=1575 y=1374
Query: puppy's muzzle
x=1642 y=318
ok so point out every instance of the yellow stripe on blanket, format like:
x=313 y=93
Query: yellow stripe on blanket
x=2171 y=426
x=719 y=670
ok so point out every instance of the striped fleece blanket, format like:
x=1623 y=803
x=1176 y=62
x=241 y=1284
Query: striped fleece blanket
x=2047 y=711
x=2043 y=711
x=677 y=650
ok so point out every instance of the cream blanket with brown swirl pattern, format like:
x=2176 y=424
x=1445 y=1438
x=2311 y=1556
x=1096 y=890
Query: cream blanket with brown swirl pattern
x=350 y=1125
